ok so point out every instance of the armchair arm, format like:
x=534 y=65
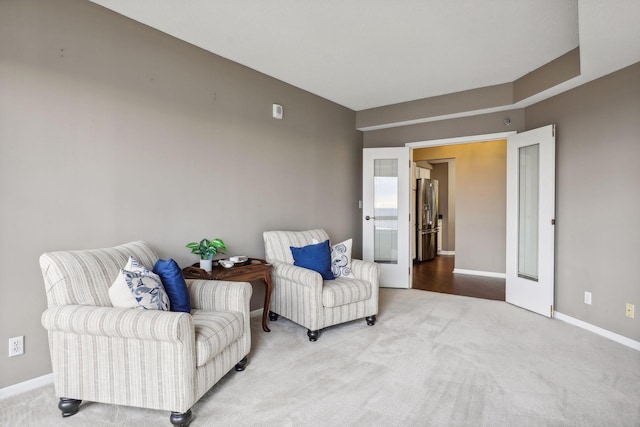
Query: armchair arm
x=219 y=295
x=365 y=270
x=153 y=325
x=295 y=274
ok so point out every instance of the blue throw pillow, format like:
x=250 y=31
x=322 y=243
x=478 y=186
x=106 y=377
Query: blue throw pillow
x=174 y=284
x=314 y=257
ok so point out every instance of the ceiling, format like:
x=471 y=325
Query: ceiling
x=370 y=53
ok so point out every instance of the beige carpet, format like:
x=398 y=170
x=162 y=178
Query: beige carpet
x=431 y=360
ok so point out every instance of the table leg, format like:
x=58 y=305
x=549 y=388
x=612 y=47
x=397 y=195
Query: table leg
x=267 y=300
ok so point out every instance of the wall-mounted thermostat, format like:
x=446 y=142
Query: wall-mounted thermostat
x=277 y=111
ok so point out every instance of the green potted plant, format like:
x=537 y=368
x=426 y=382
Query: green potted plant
x=207 y=249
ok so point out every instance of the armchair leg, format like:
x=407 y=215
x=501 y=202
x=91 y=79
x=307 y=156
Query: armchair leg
x=241 y=364
x=371 y=320
x=181 y=419
x=313 y=335
x=273 y=316
x=69 y=407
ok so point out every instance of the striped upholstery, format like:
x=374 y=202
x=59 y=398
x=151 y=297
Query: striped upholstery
x=215 y=331
x=303 y=297
x=67 y=272
x=277 y=243
x=145 y=358
x=343 y=291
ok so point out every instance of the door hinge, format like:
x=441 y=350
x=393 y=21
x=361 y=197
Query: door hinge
x=553 y=131
x=553 y=221
x=551 y=311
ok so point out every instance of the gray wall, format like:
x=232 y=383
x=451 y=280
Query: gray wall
x=111 y=131
x=597 y=198
x=466 y=126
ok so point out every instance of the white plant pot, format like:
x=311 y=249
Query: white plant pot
x=206 y=264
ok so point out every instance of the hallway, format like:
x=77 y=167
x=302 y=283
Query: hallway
x=437 y=275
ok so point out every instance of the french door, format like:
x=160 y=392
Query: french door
x=531 y=220
x=385 y=213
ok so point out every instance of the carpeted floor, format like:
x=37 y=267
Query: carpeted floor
x=431 y=360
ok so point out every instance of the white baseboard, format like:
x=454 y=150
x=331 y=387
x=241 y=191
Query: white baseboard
x=22 y=387
x=480 y=273
x=597 y=330
x=446 y=252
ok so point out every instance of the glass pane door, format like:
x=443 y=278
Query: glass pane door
x=530 y=256
x=385 y=210
x=385 y=213
x=528 y=177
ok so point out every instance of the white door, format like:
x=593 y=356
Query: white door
x=531 y=219
x=385 y=213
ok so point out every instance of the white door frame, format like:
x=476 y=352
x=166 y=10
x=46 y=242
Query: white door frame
x=459 y=140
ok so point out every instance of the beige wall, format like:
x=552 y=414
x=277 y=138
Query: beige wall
x=111 y=131
x=597 y=198
x=480 y=198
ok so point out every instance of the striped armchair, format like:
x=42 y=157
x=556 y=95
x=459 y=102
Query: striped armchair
x=301 y=295
x=145 y=358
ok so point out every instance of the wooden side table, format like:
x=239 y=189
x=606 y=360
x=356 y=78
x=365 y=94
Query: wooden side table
x=252 y=269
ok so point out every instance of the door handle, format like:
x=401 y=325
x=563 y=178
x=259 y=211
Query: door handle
x=369 y=217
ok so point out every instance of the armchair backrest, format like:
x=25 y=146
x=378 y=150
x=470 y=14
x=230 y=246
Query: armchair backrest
x=277 y=243
x=84 y=276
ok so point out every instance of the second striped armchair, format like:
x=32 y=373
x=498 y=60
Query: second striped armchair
x=303 y=296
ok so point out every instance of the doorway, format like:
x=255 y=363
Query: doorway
x=472 y=259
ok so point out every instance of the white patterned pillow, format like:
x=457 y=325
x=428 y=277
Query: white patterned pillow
x=137 y=287
x=341 y=259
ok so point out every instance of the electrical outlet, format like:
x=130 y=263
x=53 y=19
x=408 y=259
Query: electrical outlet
x=587 y=297
x=16 y=346
x=630 y=310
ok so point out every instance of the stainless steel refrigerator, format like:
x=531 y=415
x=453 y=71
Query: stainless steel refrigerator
x=426 y=219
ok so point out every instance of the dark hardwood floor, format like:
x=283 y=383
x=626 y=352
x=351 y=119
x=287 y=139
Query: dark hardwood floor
x=437 y=275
